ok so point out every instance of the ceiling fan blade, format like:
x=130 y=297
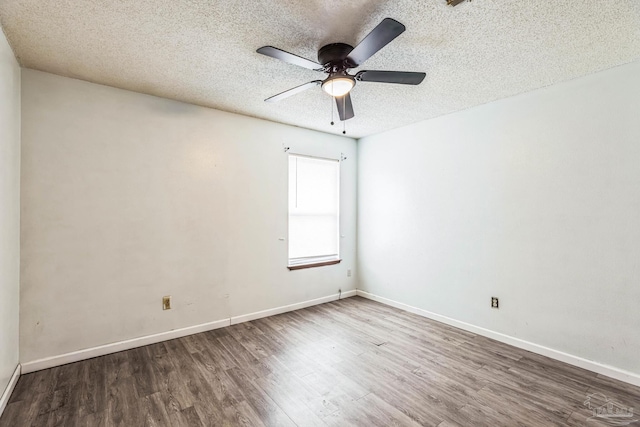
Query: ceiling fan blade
x=399 y=77
x=297 y=89
x=345 y=107
x=289 y=57
x=378 y=38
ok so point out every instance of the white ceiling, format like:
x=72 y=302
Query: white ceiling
x=203 y=51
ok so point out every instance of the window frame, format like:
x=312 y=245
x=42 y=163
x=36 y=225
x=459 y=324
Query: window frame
x=318 y=260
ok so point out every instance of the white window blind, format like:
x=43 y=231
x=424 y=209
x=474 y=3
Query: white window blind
x=314 y=211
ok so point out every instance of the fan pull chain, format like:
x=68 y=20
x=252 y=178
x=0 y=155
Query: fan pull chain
x=344 y=108
x=331 y=109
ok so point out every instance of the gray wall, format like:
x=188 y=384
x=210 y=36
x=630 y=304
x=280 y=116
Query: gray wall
x=128 y=197
x=9 y=211
x=533 y=199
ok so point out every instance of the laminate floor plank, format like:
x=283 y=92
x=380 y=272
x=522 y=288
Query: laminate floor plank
x=350 y=362
x=123 y=403
x=243 y=414
x=242 y=357
x=249 y=337
x=291 y=403
x=211 y=414
x=268 y=411
x=186 y=418
x=370 y=410
x=521 y=406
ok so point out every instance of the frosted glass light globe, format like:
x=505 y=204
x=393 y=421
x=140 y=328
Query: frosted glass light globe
x=338 y=86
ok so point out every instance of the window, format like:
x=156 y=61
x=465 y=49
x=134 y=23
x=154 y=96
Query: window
x=314 y=214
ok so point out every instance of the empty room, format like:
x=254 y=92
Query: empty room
x=319 y=213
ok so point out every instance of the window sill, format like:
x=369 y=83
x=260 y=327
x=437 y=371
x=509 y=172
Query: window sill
x=315 y=264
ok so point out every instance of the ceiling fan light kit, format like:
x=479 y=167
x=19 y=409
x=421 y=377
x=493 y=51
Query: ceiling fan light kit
x=336 y=59
x=338 y=85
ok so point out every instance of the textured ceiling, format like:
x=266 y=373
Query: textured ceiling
x=203 y=51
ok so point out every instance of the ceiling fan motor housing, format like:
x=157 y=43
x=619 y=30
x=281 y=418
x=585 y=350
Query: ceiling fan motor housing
x=332 y=56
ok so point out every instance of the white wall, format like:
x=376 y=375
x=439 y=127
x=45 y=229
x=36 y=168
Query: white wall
x=128 y=197
x=533 y=199
x=9 y=211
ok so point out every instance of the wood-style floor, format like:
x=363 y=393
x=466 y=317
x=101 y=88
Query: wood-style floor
x=350 y=362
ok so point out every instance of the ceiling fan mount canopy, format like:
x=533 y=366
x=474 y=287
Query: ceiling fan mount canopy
x=336 y=59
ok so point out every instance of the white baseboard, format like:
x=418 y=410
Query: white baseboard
x=88 y=353
x=102 y=350
x=599 y=368
x=4 y=399
x=285 y=308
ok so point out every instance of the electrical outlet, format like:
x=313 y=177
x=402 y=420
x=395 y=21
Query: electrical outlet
x=349 y=273
x=166 y=302
x=494 y=302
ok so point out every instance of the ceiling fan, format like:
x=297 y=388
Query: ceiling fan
x=336 y=59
